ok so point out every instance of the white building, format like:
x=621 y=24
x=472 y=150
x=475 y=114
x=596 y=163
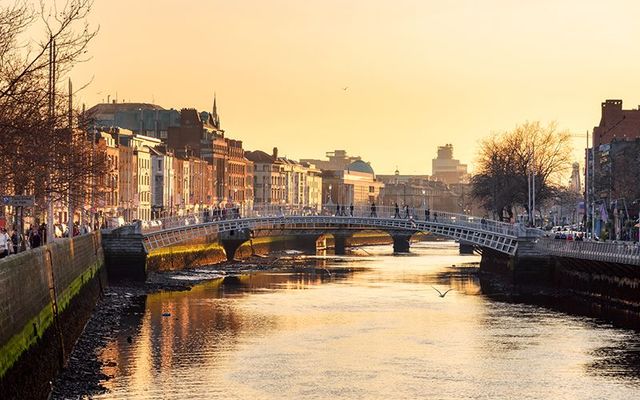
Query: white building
x=142 y=157
x=162 y=182
x=285 y=182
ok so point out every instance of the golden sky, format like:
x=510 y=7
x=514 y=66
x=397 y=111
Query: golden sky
x=418 y=73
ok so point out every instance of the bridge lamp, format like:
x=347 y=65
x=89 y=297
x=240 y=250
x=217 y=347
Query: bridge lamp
x=424 y=198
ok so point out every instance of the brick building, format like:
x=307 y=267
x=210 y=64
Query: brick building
x=616 y=123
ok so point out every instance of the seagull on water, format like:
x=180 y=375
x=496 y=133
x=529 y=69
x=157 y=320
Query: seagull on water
x=440 y=293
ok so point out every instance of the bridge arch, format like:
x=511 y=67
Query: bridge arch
x=497 y=236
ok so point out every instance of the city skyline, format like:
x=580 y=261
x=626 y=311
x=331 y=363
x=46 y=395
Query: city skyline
x=393 y=80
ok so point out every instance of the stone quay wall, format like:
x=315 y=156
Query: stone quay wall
x=46 y=296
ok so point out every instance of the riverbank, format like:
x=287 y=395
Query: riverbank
x=82 y=376
x=274 y=334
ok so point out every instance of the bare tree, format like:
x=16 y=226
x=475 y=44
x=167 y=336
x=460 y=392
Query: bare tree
x=44 y=154
x=505 y=160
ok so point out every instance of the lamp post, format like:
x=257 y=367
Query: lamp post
x=424 y=198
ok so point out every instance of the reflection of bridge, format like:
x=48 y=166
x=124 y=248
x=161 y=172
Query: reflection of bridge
x=498 y=236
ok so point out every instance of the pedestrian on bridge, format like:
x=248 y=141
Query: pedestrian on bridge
x=427 y=214
x=351 y=210
x=338 y=210
x=435 y=217
x=406 y=211
x=374 y=214
x=397 y=213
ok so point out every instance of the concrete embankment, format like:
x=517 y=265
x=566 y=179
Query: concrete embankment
x=601 y=289
x=46 y=296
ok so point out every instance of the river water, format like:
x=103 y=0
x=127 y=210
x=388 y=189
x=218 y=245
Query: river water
x=370 y=326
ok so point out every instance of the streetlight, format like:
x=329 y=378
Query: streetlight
x=424 y=198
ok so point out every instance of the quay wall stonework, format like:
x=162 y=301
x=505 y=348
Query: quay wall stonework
x=46 y=296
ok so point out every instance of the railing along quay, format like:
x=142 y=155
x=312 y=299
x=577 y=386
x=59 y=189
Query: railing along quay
x=618 y=252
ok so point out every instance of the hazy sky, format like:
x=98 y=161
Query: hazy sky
x=419 y=73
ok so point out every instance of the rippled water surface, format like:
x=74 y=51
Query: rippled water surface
x=368 y=327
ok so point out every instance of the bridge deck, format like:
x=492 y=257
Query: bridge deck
x=496 y=235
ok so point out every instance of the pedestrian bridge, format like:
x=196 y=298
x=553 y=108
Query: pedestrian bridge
x=499 y=236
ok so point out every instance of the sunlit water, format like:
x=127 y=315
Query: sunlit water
x=377 y=332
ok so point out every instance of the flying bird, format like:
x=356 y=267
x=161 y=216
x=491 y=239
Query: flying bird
x=345 y=88
x=440 y=293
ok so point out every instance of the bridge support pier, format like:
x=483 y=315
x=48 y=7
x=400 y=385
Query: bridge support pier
x=231 y=240
x=401 y=241
x=340 y=243
x=306 y=243
x=124 y=254
x=466 y=248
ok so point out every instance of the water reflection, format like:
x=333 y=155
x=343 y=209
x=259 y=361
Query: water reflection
x=366 y=327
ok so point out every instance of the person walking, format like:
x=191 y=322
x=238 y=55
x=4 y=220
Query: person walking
x=35 y=239
x=14 y=241
x=374 y=214
x=351 y=210
x=435 y=217
x=397 y=213
x=406 y=211
x=427 y=214
x=5 y=241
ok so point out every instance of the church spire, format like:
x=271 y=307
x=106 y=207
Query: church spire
x=214 y=114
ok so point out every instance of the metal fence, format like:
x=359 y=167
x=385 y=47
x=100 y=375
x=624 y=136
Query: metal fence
x=620 y=252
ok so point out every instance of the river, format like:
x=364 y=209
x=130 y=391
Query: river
x=369 y=326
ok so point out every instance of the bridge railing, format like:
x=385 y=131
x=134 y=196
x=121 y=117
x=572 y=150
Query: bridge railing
x=626 y=252
x=360 y=211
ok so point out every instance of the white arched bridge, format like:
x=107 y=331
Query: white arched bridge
x=398 y=222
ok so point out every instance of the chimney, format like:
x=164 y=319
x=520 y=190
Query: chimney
x=275 y=152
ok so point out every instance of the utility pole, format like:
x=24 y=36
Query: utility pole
x=70 y=208
x=593 y=193
x=51 y=116
x=533 y=182
x=586 y=186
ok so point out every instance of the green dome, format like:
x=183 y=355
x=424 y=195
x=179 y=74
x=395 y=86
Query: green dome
x=360 y=166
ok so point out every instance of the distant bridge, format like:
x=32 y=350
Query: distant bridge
x=495 y=235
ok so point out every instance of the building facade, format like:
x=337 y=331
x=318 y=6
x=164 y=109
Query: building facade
x=162 y=182
x=447 y=169
x=284 y=182
x=356 y=184
x=616 y=124
x=140 y=118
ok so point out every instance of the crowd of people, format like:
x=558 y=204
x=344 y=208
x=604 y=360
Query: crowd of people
x=217 y=213
x=15 y=242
